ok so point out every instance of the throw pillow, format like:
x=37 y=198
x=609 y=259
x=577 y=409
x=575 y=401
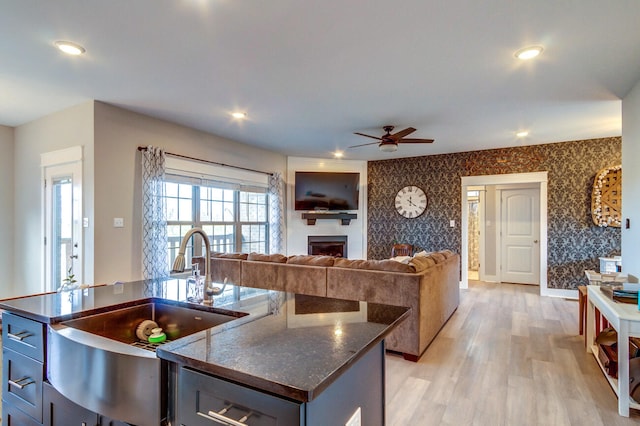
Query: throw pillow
x=311 y=260
x=275 y=258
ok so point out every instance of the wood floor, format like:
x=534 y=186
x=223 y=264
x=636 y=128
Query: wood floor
x=506 y=357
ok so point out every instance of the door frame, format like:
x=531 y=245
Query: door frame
x=505 y=179
x=481 y=218
x=71 y=159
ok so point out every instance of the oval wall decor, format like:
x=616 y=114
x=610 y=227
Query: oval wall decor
x=606 y=198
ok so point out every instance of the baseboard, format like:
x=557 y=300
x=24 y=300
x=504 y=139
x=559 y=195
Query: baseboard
x=490 y=278
x=559 y=292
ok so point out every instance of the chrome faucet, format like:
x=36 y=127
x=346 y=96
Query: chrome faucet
x=179 y=263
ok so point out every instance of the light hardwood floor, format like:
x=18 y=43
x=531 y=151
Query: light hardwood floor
x=506 y=357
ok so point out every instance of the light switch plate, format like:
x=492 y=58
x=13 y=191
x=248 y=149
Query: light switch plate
x=118 y=222
x=118 y=288
x=452 y=223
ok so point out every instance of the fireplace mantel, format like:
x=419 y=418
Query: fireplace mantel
x=345 y=218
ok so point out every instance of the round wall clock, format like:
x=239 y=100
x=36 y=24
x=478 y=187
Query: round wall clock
x=411 y=201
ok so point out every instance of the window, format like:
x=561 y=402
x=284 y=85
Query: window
x=235 y=217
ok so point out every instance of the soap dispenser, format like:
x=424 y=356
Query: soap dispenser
x=195 y=285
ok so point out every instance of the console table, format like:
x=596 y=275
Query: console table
x=625 y=318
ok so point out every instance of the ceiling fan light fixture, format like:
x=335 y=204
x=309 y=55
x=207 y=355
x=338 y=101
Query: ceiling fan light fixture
x=69 y=47
x=529 y=52
x=388 y=147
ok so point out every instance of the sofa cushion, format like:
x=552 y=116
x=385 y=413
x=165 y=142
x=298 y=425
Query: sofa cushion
x=308 y=259
x=241 y=256
x=376 y=265
x=226 y=267
x=438 y=257
x=446 y=253
x=275 y=258
x=422 y=263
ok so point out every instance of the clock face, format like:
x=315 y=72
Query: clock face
x=411 y=201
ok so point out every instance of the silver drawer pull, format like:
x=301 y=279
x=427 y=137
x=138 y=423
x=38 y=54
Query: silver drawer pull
x=19 y=336
x=20 y=383
x=219 y=417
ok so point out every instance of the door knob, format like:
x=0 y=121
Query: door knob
x=535 y=241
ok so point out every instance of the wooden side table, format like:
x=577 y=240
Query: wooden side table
x=625 y=319
x=582 y=302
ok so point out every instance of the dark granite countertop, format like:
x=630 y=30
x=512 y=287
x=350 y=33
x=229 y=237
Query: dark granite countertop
x=294 y=352
x=289 y=345
x=52 y=308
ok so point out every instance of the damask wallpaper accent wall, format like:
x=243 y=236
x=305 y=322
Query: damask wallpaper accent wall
x=574 y=242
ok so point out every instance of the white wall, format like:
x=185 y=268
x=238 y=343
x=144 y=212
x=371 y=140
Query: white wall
x=111 y=185
x=297 y=228
x=118 y=133
x=71 y=127
x=6 y=210
x=631 y=181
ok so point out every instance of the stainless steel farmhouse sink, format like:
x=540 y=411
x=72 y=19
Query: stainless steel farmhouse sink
x=98 y=362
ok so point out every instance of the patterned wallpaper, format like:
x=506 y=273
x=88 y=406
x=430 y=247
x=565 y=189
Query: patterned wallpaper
x=574 y=242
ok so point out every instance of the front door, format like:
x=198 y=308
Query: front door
x=520 y=235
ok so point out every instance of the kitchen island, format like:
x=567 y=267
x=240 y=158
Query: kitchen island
x=280 y=358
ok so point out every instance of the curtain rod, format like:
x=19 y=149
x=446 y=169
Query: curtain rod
x=144 y=148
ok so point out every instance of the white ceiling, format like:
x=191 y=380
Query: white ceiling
x=309 y=73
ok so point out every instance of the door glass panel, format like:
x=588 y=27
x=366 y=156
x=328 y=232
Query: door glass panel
x=62 y=229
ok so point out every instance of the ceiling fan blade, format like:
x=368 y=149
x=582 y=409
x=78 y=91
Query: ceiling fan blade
x=368 y=136
x=402 y=133
x=415 y=141
x=365 y=144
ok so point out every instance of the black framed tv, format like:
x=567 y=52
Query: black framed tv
x=327 y=191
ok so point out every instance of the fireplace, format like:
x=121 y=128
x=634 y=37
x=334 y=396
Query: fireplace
x=328 y=245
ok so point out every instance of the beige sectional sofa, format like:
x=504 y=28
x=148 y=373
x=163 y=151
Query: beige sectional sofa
x=428 y=284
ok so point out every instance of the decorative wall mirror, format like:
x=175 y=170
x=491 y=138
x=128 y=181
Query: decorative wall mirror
x=606 y=198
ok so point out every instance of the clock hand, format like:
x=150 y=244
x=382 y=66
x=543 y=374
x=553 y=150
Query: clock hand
x=411 y=202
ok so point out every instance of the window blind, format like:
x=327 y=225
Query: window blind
x=180 y=170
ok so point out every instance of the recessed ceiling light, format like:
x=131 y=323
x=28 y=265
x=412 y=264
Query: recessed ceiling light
x=528 y=52
x=338 y=154
x=239 y=115
x=522 y=134
x=69 y=47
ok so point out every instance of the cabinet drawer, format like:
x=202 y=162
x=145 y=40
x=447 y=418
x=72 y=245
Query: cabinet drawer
x=200 y=394
x=11 y=416
x=59 y=411
x=23 y=335
x=22 y=382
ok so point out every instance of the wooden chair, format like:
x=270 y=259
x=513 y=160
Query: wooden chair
x=402 y=250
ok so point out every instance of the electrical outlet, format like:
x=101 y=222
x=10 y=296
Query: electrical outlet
x=118 y=222
x=452 y=223
x=355 y=419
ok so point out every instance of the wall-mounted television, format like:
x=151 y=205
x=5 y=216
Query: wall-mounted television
x=327 y=191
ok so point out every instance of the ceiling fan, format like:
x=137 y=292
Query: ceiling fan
x=389 y=142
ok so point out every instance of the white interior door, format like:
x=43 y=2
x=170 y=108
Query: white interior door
x=520 y=236
x=62 y=223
